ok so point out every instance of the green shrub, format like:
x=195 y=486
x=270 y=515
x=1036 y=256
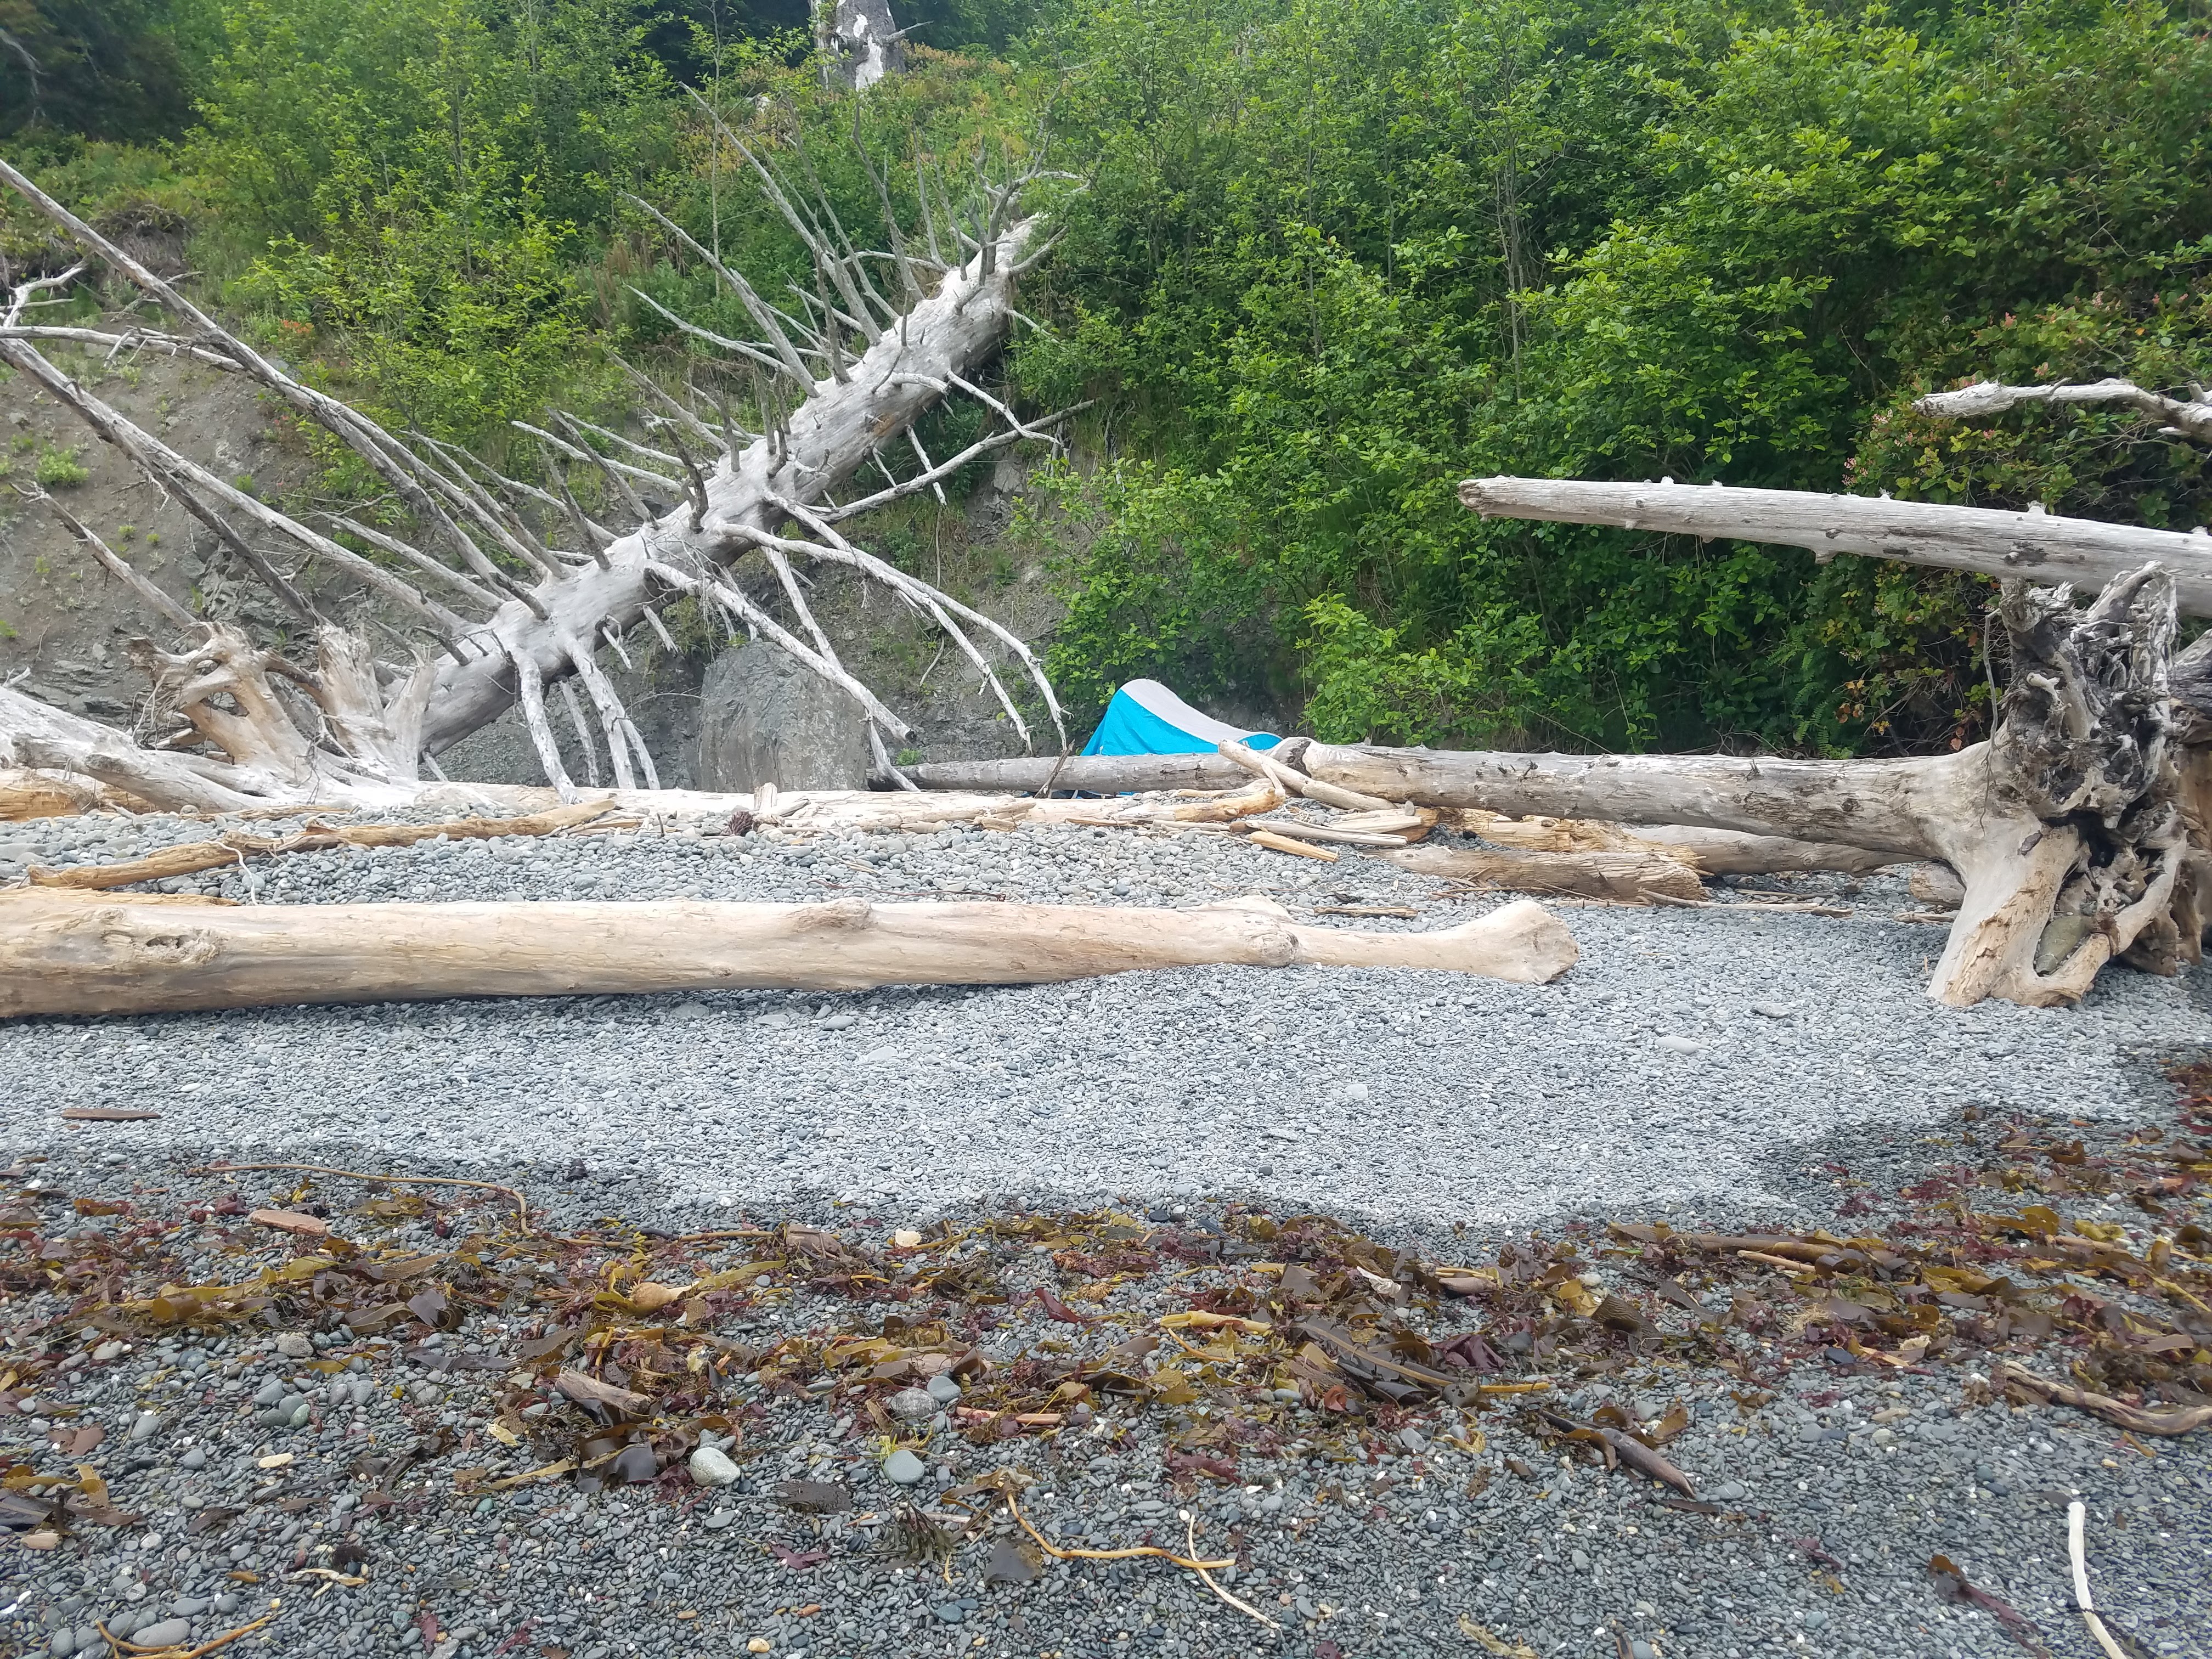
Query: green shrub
x=58 y=468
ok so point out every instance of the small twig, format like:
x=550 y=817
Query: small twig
x=344 y=1579
x=1060 y=1554
x=2074 y=1514
x=116 y=1643
x=521 y=1207
x=1190 y=1532
x=1053 y=776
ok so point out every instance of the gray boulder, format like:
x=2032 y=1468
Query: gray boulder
x=763 y=719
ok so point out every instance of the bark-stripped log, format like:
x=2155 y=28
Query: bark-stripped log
x=2040 y=545
x=65 y=952
x=2068 y=827
x=26 y=794
x=1710 y=852
x=1089 y=774
x=1892 y=807
x=1625 y=878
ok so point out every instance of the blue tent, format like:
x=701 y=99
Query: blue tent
x=1145 y=718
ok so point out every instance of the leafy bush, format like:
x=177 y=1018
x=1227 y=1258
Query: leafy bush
x=1339 y=256
x=59 y=469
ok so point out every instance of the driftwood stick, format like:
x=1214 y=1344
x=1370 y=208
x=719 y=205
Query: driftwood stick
x=1294 y=782
x=67 y=952
x=190 y=857
x=2189 y=419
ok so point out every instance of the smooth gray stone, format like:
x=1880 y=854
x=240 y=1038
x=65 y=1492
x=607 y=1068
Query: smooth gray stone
x=903 y=1468
x=711 y=1468
x=913 y=1404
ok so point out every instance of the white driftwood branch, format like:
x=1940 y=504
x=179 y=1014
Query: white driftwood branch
x=2190 y=419
x=2040 y=546
x=64 y=952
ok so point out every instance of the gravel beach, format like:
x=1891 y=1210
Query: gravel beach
x=1722 y=1068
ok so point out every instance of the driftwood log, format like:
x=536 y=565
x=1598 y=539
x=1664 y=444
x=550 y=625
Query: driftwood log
x=2042 y=545
x=26 y=795
x=1709 y=852
x=68 y=952
x=1090 y=774
x=2068 y=829
x=1623 y=876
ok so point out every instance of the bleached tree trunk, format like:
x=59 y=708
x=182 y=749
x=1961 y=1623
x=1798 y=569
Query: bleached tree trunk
x=831 y=436
x=2190 y=417
x=833 y=386
x=2070 y=828
x=66 y=953
x=2040 y=545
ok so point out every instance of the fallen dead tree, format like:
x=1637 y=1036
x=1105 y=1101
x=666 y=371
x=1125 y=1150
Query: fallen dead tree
x=1707 y=851
x=64 y=952
x=2068 y=828
x=2082 y=551
x=515 y=591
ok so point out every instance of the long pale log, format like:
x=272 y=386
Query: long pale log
x=1626 y=877
x=1709 y=852
x=1091 y=775
x=1731 y=853
x=1899 y=807
x=2040 y=545
x=64 y=952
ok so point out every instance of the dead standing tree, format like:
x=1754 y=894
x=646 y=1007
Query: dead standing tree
x=517 y=588
x=2078 y=829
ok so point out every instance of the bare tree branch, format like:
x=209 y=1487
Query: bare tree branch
x=2191 y=419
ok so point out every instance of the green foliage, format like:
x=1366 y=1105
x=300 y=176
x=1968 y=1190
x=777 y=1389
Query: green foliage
x=58 y=468
x=104 y=70
x=1339 y=256
x=413 y=186
x=1328 y=256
